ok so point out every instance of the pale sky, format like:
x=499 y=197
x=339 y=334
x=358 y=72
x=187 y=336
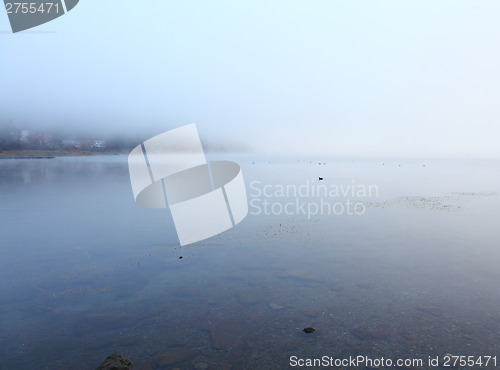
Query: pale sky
x=350 y=78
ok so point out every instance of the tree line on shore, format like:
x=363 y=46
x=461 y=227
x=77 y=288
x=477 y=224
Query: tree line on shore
x=13 y=138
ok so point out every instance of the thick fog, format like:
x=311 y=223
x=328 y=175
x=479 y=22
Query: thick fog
x=392 y=78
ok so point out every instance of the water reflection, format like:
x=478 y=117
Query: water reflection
x=79 y=281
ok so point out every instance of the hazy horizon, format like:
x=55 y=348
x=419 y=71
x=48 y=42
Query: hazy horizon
x=367 y=79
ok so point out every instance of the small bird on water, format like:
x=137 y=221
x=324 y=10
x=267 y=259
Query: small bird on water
x=320 y=178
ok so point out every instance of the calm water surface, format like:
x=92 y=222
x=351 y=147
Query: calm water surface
x=85 y=272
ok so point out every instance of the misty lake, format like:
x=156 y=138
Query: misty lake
x=413 y=272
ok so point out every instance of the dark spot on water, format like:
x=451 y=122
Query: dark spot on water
x=180 y=257
x=309 y=330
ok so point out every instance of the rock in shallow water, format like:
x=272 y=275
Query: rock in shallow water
x=275 y=306
x=115 y=362
x=310 y=312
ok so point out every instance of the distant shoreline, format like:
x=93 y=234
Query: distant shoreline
x=48 y=154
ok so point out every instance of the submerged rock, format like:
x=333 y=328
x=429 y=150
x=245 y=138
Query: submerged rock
x=361 y=333
x=173 y=356
x=275 y=306
x=352 y=343
x=115 y=362
x=310 y=312
x=227 y=333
